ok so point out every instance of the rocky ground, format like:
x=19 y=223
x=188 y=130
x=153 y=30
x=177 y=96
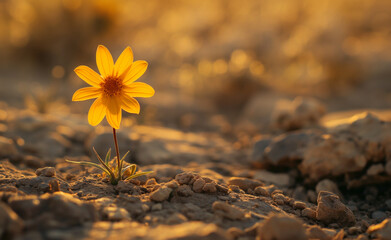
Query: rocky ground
x=312 y=175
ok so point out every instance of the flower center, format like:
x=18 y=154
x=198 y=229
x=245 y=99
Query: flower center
x=111 y=85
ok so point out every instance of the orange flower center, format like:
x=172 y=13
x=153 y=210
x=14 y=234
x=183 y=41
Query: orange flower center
x=111 y=86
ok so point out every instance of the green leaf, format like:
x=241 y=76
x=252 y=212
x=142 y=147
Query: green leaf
x=89 y=163
x=108 y=156
x=138 y=175
x=103 y=163
x=123 y=158
x=130 y=166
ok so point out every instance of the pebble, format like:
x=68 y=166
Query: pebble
x=379 y=215
x=329 y=186
x=331 y=210
x=315 y=232
x=198 y=185
x=172 y=184
x=46 y=172
x=161 y=194
x=209 y=187
x=261 y=191
x=309 y=213
x=228 y=211
x=54 y=185
x=184 y=178
x=244 y=183
x=273 y=228
x=280 y=199
x=299 y=205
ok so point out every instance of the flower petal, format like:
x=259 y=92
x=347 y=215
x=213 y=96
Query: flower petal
x=86 y=93
x=139 y=89
x=88 y=75
x=97 y=112
x=123 y=62
x=104 y=61
x=137 y=69
x=130 y=104
x=113 y=112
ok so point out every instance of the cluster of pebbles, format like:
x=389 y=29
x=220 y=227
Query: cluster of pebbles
x=331 y=181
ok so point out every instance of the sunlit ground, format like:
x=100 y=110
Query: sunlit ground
x=205 y=57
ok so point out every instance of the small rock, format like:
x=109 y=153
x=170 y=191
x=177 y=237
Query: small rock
x=279 y=179
x=309 y=213
x=161 y=194
x=244 y=183
x=379 y=215
x=328 y=186
x=172 y=184
x=315 y=232
x=280 y=199
x=184 y=178
x=209 y=187
x=198 y=185
x=46 y=172
x=7 y=147
x=10 y=223
x=236 y=189
x=331 y=210
x=332 y=155
x=228 y=211
x=382 y=230
x=272 y=228
x=261 y=191
x=375 y=169
x=54 y=185
x=185 y=191
x=115 y=214
x=299 y=205
x=288 y=149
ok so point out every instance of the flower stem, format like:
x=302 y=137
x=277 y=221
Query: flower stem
x=117 y=151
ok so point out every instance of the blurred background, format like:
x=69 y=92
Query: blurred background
x=212 y=63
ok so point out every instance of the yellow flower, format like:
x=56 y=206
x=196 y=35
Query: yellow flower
x=115 y=87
